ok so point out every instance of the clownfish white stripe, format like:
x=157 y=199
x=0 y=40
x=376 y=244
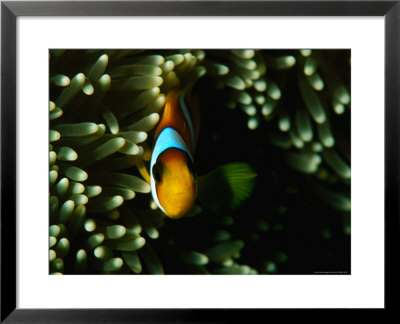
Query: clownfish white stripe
x=168 y=138
x=188 y=117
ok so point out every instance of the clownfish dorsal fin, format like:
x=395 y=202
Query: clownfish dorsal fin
x=181 y=112
x=188 y=113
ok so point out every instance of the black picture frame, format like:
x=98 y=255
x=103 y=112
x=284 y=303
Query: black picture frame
x=10 y=10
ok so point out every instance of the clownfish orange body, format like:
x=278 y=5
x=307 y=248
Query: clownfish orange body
x=172 y=175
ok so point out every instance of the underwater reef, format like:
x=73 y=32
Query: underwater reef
x=284 y=112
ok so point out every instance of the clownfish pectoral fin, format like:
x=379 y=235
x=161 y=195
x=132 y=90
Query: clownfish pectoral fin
x=194 y=211
x=143 y=171
x=228 y=186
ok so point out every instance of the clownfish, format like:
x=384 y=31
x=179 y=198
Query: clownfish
x=172 y=174
x=173 y=179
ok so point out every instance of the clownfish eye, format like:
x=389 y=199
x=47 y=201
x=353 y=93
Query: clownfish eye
x=191 y=167
x=157 y=172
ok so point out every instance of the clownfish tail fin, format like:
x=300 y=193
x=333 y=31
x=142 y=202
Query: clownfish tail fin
x=228 y=186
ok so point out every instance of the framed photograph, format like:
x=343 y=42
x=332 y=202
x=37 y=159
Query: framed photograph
x=204 y=159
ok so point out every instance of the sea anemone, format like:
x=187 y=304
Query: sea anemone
x=291 y=108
